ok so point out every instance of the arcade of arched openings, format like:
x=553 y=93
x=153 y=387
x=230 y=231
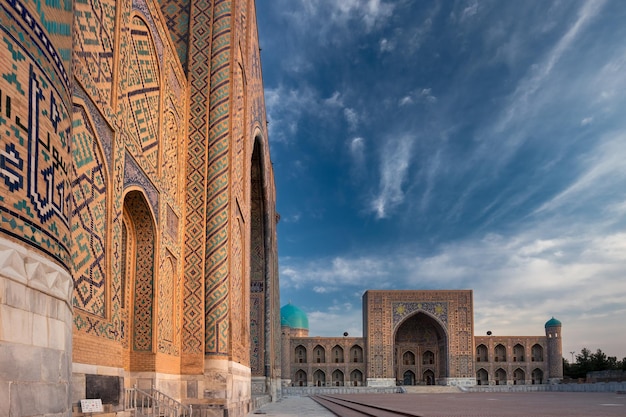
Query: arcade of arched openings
x=416 y=338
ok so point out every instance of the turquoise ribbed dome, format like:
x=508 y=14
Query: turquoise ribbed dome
x=292 y=316
x=553 y=323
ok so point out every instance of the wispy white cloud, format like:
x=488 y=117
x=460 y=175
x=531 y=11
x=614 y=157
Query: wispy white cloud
x=586 y=121
x=357 y=157
x=284 y=110
x=321 y=18
x=394 y=166
x=286 y=107
x=422 y=95
x=352 y=117
x=601 y=171
x=385 y=45
x=524 y=100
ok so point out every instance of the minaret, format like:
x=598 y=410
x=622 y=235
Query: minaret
x=555 y=351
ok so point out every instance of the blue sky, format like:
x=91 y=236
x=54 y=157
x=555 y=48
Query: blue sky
x=452 y=145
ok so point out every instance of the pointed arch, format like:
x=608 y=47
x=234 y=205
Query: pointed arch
x=300 y=354
x=300 y=378
x=319 y=378
x=499 y=353
x=421 y=332
x=408 y=378
x=482 y=353
x=408 y=358
x=356 y=354
x=337 y=377
x=482 y=377
x=141 y=265
x=319 y=354
x=500 y=376
x=337 y=354
x=356 y=378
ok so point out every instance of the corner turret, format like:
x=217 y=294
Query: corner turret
x=555 y=350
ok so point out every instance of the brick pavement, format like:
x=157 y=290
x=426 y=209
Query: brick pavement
x=518 y=404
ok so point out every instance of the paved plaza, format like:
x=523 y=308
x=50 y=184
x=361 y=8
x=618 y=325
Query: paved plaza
x=518 y=404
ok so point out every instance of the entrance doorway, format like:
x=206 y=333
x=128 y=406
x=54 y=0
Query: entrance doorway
x=420 y=336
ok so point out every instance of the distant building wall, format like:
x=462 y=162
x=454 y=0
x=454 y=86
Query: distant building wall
x=326 y=361
x=511 y=360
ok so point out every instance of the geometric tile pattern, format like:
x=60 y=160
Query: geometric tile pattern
x=176 y=13
x=94 y=29
x=216 y=308
x=239 y=322
x=171 y=155
x=239 y=291
x=143 y=262
x=257 y=266
x=143 y=92
x=195 y=244
x=89 y=220
x=166 y=310
x=35 y=125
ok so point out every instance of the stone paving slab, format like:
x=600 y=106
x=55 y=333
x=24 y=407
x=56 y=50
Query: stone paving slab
x=292 y=406
x=518 y=404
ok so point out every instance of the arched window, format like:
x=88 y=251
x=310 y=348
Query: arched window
x=500 y=377
x=300 y=354
x=408 y=358
x=301 y=378
x=428 y=358
x=537 y=353
x=482 y=377
x=537 y=376
x=337 y=378
x=518 y=353
x=356 y=377
x=319 y=354
x=500 y=353
x=519 y=377
x=356 y=353
x=337 y=354
x=319 y=378
x=482 y=353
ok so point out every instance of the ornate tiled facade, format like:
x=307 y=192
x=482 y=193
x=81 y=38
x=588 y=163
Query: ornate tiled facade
x=134 y=159
x=417 y=338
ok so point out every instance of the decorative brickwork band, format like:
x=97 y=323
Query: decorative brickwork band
x=216 y=307
x=195 y=246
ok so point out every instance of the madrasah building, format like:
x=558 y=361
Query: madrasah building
x=138 y=247
x=417 y=338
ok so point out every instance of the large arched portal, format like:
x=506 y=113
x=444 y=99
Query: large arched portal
x=264 y=296
x=423 y=337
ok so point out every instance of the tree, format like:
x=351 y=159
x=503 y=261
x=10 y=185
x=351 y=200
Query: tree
x=589 y=362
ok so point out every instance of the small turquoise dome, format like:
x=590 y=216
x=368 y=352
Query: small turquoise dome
x=553 y=323
x=292 y=316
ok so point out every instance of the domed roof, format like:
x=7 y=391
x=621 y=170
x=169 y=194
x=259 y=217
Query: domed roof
x=292 y=316
x=553 y=323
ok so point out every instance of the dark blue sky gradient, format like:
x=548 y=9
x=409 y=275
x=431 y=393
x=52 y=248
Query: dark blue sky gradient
x=452 y=144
